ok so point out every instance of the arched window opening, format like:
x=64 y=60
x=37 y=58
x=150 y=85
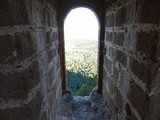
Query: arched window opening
x=81 y=30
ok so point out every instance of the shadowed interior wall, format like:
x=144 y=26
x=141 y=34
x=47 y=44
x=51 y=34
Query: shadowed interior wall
x=30 y=82
x=132 y=61
x=32 y=57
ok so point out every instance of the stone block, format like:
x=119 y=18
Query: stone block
x=129 y=114
x=109 y=21
x=17 y=85
x=149 y=12
x=115 y=74
x=35 y=105
x=105 y=76
x=121 y=16
x=51 y=22
x=139 y=99
x=108 y=65
x=109 y=36
x=21 y=113
x=51 y=77
x=111 y=86
x=121 y=57
x=106 y=96
x=130 y=42
x=53 y=2
x=7 y=46
x=158 y=49
x=119 y=38
x=154 y=107
x=119 y=100
x=130 y=12
x=141 y=70
x=48 y=38
x=36 y=13
x=51 y=54
x=54 y=39
x=13 y=13
x=111 y=53
x=17 y=47
x=110 y=102
x=30 y=111
x=24 y=45
x=44 y=116
x=56 y=86
x=147 y=43
x=39 y=14
x=124 y=81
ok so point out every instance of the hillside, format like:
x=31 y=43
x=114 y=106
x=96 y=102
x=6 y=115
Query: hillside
x=81 y=66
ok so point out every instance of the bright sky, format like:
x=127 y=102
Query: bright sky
x=81 y=23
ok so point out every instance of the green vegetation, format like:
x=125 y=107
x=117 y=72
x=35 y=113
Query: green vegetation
x=81 y=69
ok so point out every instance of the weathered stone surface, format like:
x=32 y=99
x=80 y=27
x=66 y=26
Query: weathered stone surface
x=111 y=53
x=109 y=36
x=29 y=45
x=24 y=45
x=141 y=70
x=121 y=58
x=149 y=12
x=110 y=20
x=30 y=111
x=119 y=100
x=51 y=77
x=22 y=113
x=51 y=37
x=51 y=54
x=115 y=74
x=130 y=12
x=147 y=43
x=124 y=81
x=50 y=19
x=111 y=85
x=79 y=108
x=139 y=99
x=154 y=106
x=7 y=46
x=44 y=116
x=131 y=40
x=119 y=38
x=121 y=16
x=13 y=13
x=135 y=38
x=29 y=32
x=129 y=113
x=16 y=47
x=108 y=65
x=17 y=85
x=35 y=105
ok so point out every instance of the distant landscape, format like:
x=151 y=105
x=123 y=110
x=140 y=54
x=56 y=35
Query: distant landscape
x=81 y=65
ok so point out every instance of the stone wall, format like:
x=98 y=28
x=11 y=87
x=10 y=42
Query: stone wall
x=30 y=70
x=131 y=76
x=30 y=82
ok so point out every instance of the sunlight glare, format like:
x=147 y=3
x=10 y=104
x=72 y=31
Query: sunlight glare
x=81 y=23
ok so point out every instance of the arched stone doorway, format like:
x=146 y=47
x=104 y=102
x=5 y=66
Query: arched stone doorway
x=81 y=28
x=98 y=8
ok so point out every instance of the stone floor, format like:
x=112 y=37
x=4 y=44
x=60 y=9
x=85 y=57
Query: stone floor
x=90 y=107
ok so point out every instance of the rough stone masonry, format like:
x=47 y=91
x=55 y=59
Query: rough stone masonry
x=131 y=66
x=32 y=68
x=30 y=82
